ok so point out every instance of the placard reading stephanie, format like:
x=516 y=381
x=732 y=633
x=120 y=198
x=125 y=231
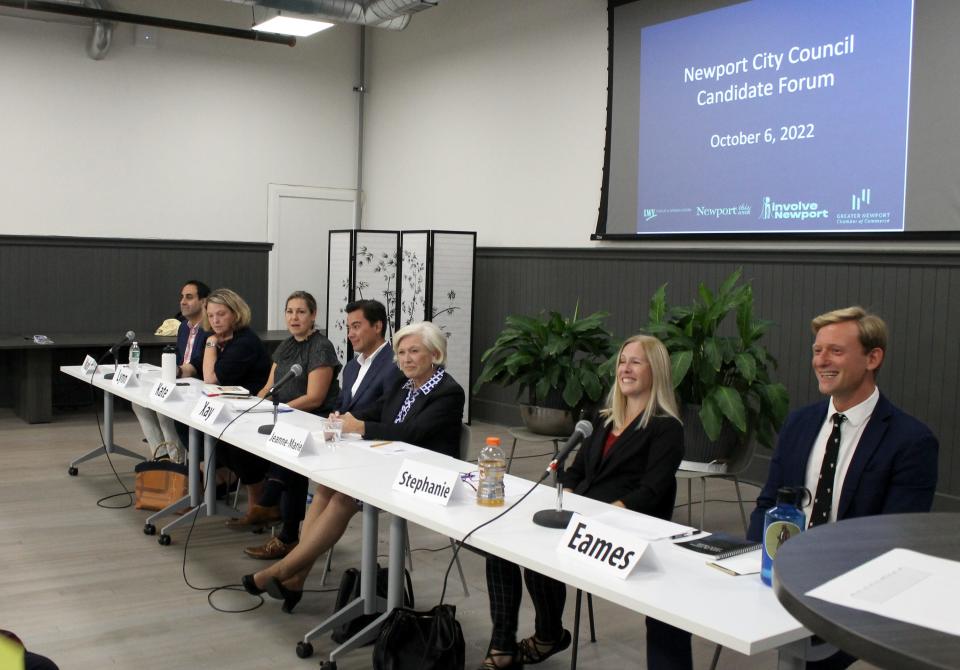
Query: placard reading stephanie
x=427 y=482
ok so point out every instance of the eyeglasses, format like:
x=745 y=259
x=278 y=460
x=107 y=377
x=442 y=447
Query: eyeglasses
x=469 y=478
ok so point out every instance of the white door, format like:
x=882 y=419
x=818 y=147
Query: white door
x=299 y=220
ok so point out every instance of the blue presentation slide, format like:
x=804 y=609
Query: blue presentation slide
x=776 y=116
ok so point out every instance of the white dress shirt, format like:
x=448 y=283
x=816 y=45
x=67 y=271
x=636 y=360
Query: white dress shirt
x=365 y=363
x=850 y=432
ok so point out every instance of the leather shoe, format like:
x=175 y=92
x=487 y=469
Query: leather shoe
x=290 y=597
x=257 y=517
x=272 y=550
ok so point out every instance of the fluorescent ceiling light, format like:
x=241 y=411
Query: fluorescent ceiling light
x=285 y=25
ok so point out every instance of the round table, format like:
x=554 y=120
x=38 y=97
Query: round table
x=824 y=552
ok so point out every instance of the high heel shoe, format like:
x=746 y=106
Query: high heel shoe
x=289 y=597
x=250 y=585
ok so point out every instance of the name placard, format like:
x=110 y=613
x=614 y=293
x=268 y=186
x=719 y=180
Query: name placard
x=124 y=377
x=601 y=548
x=426 y=482
x=89 y=365
x=207 y=411
x=294 y=438
x=162 y=391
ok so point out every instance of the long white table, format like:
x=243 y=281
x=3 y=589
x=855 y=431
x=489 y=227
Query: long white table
x=736 y=612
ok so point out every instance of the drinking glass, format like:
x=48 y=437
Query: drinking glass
x=331 y=431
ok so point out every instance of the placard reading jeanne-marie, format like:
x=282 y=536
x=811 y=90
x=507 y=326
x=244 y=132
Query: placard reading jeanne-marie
x=426 y=482
x=291 y=437
x=601 y=548
x=162 y=392
x=207 y=411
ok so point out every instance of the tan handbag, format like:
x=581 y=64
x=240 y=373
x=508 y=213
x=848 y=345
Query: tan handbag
x=159 y=482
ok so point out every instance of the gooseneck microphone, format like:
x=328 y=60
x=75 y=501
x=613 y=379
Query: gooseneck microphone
x=558 y=517
x=112 y=351
x=295 y=371
x=581 y=431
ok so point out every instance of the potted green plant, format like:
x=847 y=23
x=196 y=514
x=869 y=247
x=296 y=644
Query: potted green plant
x=721 y=375
x=554 y=363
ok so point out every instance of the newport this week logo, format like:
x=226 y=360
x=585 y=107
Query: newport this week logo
x=800 y=210
x=742 y=209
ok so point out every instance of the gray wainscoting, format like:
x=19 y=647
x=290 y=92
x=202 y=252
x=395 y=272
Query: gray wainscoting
x=918 y=295
x=88 y=285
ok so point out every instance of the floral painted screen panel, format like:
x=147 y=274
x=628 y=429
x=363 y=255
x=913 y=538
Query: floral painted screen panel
x=375 y=272
x=413 y=282
x=338 y=290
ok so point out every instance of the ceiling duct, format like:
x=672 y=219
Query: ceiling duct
x=389 y=14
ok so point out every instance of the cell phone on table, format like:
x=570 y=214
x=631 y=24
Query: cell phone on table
x=183 y=383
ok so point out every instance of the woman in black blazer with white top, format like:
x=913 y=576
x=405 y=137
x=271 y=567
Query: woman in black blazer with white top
x=630 y=461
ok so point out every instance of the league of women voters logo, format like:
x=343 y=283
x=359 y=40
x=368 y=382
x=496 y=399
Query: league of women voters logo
x=770 y=209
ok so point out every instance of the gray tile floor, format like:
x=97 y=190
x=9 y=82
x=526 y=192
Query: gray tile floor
x=85 y=586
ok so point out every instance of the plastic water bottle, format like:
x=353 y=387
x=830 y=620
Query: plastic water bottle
x=135 y=359
x=493 y=465
x=780 y=523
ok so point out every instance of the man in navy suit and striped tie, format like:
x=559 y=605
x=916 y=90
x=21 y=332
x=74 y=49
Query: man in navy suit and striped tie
x=856 y=452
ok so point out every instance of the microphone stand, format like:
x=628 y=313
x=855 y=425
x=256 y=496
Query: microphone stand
x=113 y=352
x=558 y=517
x=267 y=428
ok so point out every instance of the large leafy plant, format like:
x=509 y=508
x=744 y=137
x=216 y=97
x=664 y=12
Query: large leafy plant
x=727 y=375
x=550 y=357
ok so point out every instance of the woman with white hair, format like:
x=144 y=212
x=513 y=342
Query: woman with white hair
x=424 y=408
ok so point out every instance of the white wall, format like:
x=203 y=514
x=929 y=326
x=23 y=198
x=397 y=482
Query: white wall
x=489 y=116
x=177 y=142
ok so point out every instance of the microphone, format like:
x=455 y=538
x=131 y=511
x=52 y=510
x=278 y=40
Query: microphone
x=295 y=371
x=558 y=517
x=127 y=339
x=582 y=431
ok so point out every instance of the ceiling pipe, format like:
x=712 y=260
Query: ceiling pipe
x=143 y=20
x=101 y=36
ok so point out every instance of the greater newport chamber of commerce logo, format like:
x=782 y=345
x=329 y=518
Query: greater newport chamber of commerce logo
x=742 y=209
x=800 y=209
x=861 y=213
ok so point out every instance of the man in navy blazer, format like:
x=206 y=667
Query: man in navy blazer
x=887 y=460
x=372 y=371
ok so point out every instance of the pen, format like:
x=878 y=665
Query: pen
x=380 y=444
x=687 y=534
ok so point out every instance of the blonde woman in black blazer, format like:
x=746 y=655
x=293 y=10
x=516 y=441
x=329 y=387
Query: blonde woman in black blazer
x=630 y=461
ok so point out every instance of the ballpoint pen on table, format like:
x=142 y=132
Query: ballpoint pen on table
x=380 y=444
x=687 y=534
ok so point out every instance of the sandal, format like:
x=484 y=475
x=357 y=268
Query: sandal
x=529 y=650
x=490 y=664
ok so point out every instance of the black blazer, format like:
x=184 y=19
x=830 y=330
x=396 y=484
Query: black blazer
x=640 y=470
x=433 y=421
x=243 y=361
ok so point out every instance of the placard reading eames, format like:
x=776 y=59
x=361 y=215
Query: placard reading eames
x=291 y=437
x=427 y=482
x=601 y=548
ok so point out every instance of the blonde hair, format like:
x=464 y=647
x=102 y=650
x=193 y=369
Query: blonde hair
x=431 y=336
x=232 y=301
x=873 y=330
x=662 y=400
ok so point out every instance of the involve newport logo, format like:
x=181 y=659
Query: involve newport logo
x=649 y=214
x=800 y=209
